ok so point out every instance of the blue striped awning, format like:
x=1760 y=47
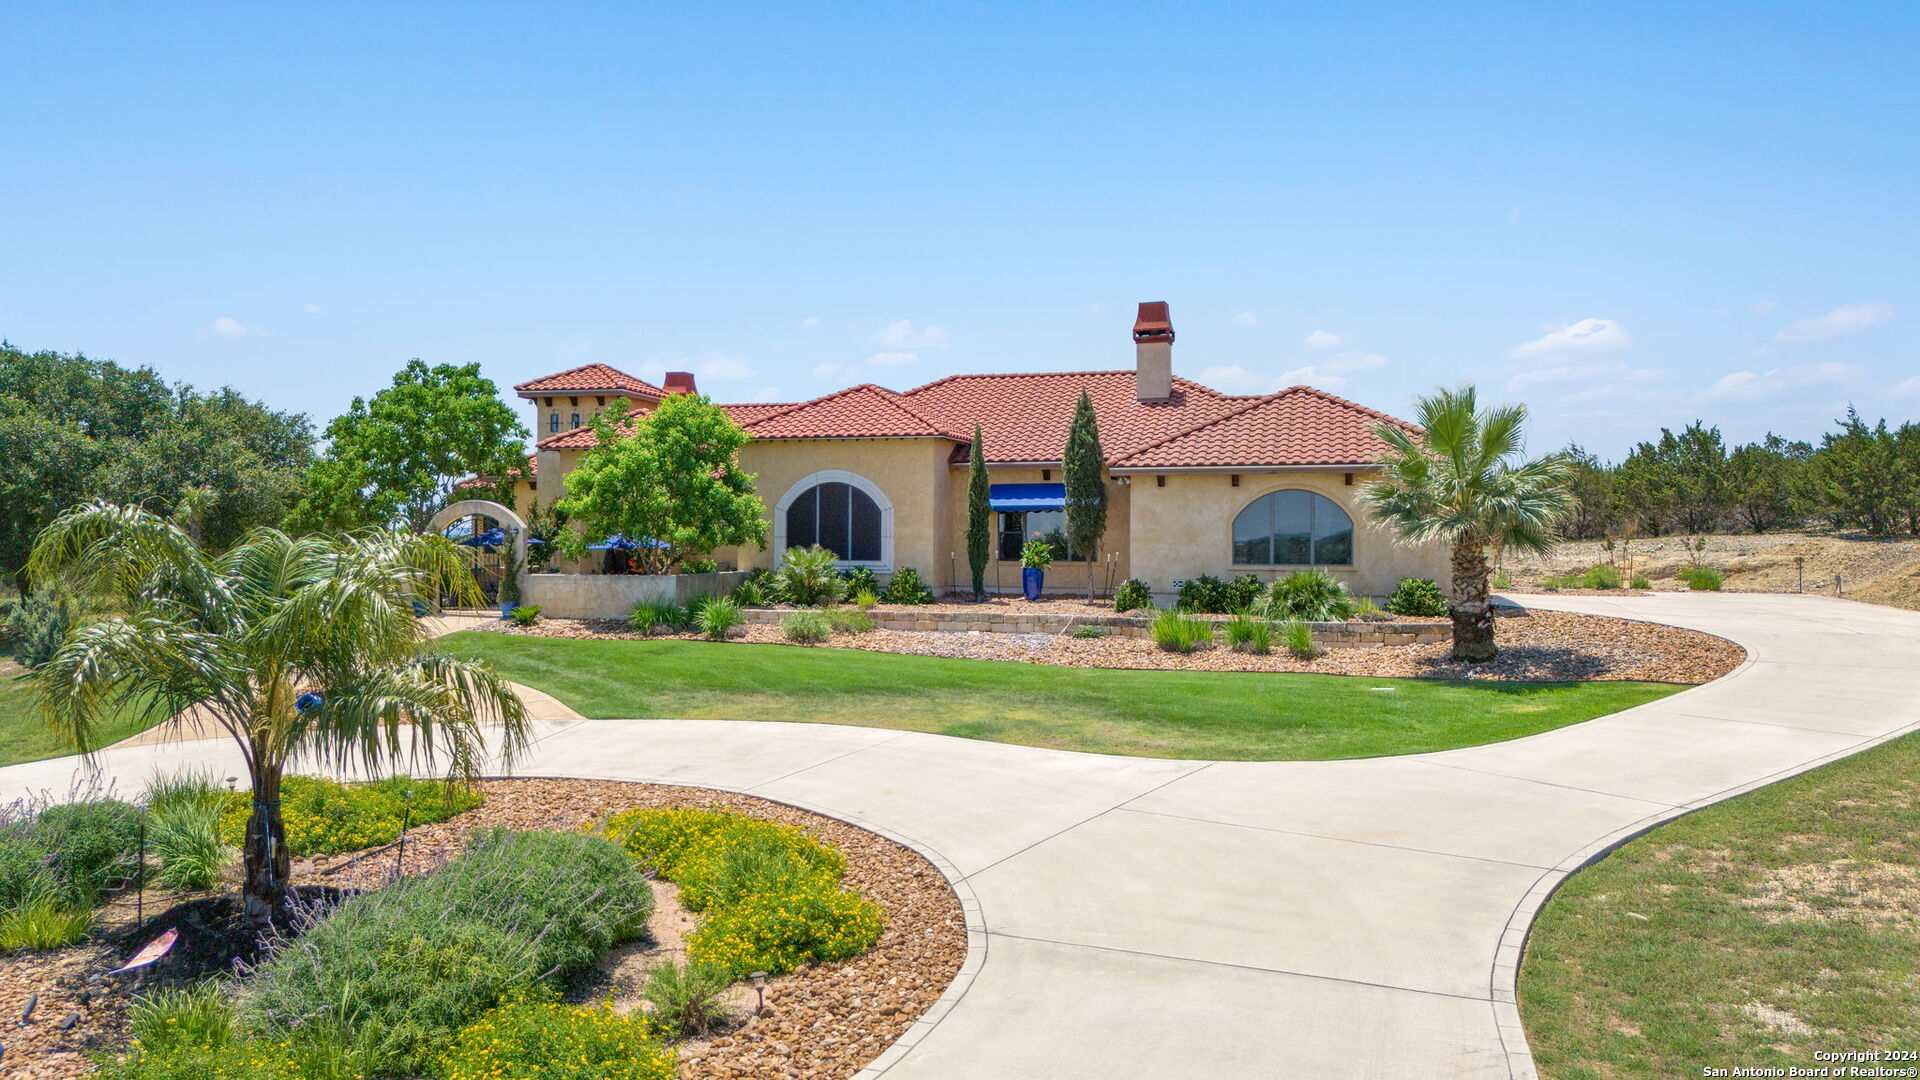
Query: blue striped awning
x=1011 y=498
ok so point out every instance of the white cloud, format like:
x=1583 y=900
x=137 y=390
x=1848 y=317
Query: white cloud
x=767 y=393
x=1232 y=378
x=1585 y=336
x=228 y=326
x=1774 y=383
x=828 y=370
x=1841 y=321
x=1323 y=339
x=1246 y=318
x=892 y=359
x=722 y=367
x=902 y=336
x=809 y=322
x=310 y=308
x=1313 y=375
x=1906 y=389
x=1328 y=374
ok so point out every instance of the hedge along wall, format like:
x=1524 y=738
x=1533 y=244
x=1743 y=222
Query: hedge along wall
x=612 y=596
x=1333 y=635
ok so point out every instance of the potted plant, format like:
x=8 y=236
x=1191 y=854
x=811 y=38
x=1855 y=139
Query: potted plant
x=510 y=568
x=1035 y=557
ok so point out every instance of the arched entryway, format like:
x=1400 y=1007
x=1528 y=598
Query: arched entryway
x=486 y=527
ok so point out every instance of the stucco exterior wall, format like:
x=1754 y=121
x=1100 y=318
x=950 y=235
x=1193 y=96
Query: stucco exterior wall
x=1185 y=529
x=612 y=596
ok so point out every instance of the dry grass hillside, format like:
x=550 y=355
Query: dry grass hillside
x=1879 y=571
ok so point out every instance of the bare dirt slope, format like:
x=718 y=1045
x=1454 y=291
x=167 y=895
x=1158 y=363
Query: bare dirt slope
x=1879 y=571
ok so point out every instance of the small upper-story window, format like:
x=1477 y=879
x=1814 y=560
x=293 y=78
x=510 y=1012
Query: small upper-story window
x=576 y=420
x=553 y=423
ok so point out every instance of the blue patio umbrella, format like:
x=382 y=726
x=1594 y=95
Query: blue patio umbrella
x=493 y=537
x=619 y=542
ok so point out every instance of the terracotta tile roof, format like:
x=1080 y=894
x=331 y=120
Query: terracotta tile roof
x=1025 y=417
x=580 y=438
x=591 y=379
x=747 y=413
x=858 y=412
x=1297 y=426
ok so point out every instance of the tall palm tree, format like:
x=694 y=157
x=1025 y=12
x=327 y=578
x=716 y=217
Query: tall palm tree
x=1462 y=482
x=296 y=646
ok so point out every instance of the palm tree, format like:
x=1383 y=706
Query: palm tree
x=1460 y=481
x=296 y=646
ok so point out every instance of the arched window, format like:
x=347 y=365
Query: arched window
x=1293 y=528
x=839 y=517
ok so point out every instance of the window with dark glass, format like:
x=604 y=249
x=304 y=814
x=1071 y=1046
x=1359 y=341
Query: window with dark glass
x=553 y=423
x=1016 y=528
x=576 y=419
x=1293 y=528
x=839 y=517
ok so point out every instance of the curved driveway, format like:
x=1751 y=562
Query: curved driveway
x=1139 y=918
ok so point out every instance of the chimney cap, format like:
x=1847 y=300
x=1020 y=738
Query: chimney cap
x=680 y=382
x=1154 y=323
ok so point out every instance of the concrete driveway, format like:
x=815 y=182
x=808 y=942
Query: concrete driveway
x=1150 y=919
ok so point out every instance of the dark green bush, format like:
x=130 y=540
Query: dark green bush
x=68 y=854
x=1244 y=591
x=807 y=577
x=36 y=628
x=1313 y=595
x=658 y=617
x=700 y=566
x=907 y=588
x=526 y=614
x=1417 y=596
x=858 y=578
x=1132 y=595
x=1205 y=594
x=407 y=966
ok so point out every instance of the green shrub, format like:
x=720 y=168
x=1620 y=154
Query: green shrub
x=750 y=594
x=859 y=579
x=326 y=817
x=1642 y=582
x=807 y=627
x=1312 y=595
x=169 y=1020
x=850 y=622
x=1132 y=595
x=1298 y=638
x=1244 y=591
x=907 y=588
x=1249 y=634
x=1502 y=580
x=545 y=1040
x=1702 y=578
x=1367 y=611
x=526 y=614
x=43 y=922
x=67 y=855
x=700 y=566
x=1600 y=577
x=1176 y=631
x=1036 y=554
x=718 y=617
x=686 y=998
x=865 y=599
x=185 y=836
x=1555 y=582
x=658 y=617
x=1417 y=596
x=1089 y=632
x=407 y=966
x=37 y=626
x=310 y=1057
x=1206 y=594
x=770 y=893
x=807 y=577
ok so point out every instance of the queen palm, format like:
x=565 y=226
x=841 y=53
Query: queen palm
x=1461 y=481
x=297 y=646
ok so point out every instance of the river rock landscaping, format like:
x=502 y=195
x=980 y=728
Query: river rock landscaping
x=820 y=1021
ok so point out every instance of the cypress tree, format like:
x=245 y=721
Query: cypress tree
x=977 y=538
x=1083 y=463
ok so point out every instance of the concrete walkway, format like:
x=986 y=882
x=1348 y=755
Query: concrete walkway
x=1140 y=918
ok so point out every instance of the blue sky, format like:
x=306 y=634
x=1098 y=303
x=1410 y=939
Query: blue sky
x=1626 y=216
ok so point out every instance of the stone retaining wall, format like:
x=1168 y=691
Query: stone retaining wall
x=1336 y=635
x=612 y=596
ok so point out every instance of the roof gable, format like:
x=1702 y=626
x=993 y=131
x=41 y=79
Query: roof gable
x=591 y=379
x=1296 y=426
x=858 y=412
x=1025 y=417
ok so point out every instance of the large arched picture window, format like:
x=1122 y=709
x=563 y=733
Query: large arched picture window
x=839 y=517
x=1293 y=528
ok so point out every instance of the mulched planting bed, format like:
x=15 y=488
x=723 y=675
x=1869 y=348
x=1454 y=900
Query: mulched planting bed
x=1535 y=646
x=821 y=1022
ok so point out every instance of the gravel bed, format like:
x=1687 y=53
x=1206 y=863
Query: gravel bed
x=1535 y=646
x=820 y=1023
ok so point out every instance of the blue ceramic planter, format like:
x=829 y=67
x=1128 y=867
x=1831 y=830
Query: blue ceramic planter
x=1031 y=578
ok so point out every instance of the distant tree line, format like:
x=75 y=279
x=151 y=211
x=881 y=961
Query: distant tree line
x=1861 y=476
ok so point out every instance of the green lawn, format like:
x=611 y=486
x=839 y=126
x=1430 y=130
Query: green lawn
x=1177 y=714
x=24 y=738
x=1749 y=934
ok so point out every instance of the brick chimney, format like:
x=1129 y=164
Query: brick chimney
x=1153 y=351
x=680 y=382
